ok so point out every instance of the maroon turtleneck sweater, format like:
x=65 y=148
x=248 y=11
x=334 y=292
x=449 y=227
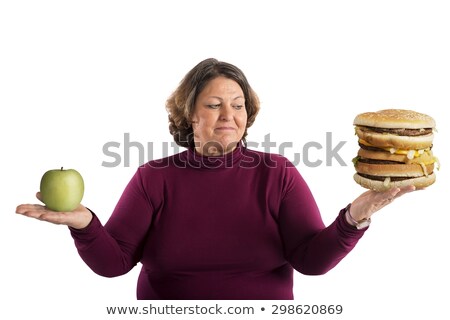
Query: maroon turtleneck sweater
x=230 y=227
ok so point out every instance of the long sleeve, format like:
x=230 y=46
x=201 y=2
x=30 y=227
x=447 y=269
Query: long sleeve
x=114 y=249
x=216 y=228
x=310 y=247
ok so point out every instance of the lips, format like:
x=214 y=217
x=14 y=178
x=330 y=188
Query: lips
x=225 y=128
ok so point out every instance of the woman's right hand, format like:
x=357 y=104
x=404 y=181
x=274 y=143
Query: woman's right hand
x=78 y=218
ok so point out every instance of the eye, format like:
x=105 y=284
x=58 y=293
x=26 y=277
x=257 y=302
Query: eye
x=238 y=107
x=214 y=106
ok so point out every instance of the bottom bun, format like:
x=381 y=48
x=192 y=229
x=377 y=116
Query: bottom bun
x=380 y=186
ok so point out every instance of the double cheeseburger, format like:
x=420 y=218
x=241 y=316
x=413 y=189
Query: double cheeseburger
x=395 y=149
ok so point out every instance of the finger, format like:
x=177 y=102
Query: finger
x=31 y=210
x=36 y=211
x=54 y=217
x=388 y=196
x=23 y=208
x=392 y=194
x=38 y=195
x=42 y=213
x=405 y=190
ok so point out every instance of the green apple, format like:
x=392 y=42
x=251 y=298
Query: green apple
x=62 y=190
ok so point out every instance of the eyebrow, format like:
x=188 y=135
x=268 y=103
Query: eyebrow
x=216 y=97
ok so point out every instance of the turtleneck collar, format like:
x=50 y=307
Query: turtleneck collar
x=228 y=160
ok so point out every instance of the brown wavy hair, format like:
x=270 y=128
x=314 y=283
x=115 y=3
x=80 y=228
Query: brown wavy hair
x=180 y=105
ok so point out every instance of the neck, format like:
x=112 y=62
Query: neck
x=224 y=160
x=212 y=149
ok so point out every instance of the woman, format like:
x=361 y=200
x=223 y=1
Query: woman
x=217 y=221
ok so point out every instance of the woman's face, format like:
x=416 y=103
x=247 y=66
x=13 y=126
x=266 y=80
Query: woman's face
x=219 y=118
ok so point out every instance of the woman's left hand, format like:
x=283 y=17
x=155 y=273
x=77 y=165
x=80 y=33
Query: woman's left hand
x=371 y=201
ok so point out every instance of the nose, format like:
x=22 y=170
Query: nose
x=226 y=112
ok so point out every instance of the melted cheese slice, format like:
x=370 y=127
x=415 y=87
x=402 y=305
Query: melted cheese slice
x=411 y=154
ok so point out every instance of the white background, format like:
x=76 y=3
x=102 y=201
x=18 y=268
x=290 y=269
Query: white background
x=75 y=75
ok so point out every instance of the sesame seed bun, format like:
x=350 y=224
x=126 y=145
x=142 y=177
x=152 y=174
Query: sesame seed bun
x=380 y=186
x=395 y=118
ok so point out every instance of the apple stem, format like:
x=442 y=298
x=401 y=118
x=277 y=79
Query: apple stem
x=61 y=168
